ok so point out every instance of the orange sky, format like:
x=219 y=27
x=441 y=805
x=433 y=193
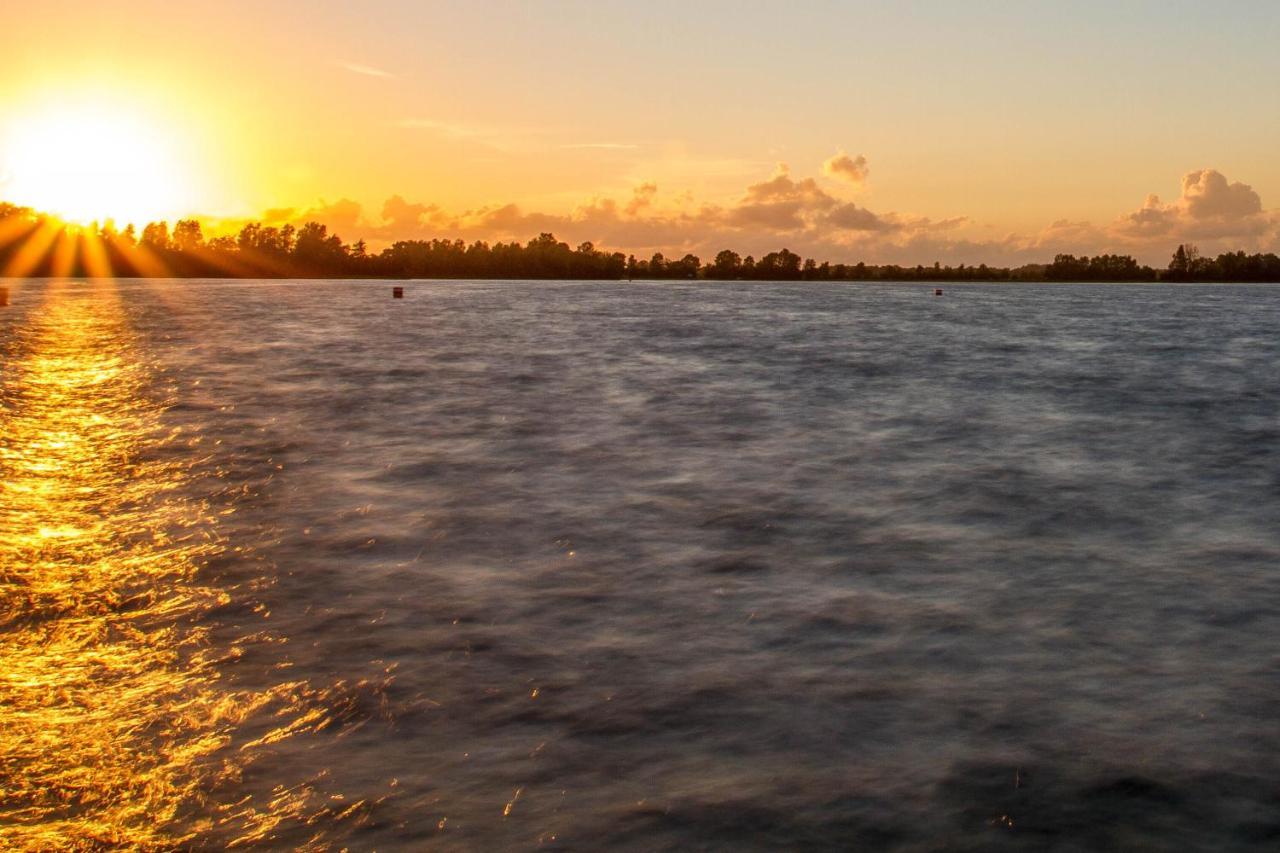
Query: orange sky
x=882 y=131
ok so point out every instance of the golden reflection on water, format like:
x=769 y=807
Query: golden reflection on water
x=114 y=725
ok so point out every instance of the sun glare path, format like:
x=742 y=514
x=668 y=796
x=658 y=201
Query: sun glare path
x=88 y=162
x=117 y=724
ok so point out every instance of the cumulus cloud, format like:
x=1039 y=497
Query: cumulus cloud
x=641 y=197
x=1153 y=219
x=781 y=187
x=281 y=215
x=1207 y=195
x=1209 y=208
x=400 y=215
x=343 y=215
x=780 y=203
x=853 y=218
x=842 y=167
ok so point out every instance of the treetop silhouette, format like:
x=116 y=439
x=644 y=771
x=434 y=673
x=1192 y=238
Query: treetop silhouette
x=268 y=251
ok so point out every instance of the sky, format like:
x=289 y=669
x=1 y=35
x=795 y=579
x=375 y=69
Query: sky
x=905 y=132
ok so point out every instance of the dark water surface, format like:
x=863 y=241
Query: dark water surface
x=641 y=566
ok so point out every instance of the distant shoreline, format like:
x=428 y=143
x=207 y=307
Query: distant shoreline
x=37 y=245
x=708 y=281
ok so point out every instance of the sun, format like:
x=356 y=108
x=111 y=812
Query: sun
x=92 y=161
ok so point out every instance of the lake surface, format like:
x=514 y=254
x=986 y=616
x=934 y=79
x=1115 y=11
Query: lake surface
x=650 y=566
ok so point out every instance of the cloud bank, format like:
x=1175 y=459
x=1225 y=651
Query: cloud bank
x=785 y=210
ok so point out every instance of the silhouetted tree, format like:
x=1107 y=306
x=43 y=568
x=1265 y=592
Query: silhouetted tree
x=187 y=236
x=657 y=266
x=315 y=250
x=1179 y=265
x=728 y=264
x=156 y=236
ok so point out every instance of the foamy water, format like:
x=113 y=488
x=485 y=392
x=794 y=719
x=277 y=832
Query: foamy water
x=639 y=566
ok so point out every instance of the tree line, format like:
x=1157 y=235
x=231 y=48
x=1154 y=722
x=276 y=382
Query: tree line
x=34 y=245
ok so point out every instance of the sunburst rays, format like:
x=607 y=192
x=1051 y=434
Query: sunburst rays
x=32 y=245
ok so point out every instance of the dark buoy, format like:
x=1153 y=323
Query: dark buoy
x=4 y=296
x=937 y=291
x=397 y=293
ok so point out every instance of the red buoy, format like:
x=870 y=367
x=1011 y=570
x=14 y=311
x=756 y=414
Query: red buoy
x=397 y=293
x=937 y=291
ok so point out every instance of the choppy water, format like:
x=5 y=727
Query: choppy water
x=640 y=566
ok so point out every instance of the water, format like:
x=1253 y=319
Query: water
x=642 y=566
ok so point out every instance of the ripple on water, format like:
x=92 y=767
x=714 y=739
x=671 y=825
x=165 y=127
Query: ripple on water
x=641 y=567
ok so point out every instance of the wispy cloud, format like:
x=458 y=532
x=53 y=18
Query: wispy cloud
x=503 y=138
x=444 y=127
x=366 y=70
x=605 y=146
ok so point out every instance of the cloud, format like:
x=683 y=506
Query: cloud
x=641 y=197
x=850 y=217
x=400 y=215
x=1209 y=208
x=1206 y=195
x=366 y=70
x=780 y=203
x=343 y=216
x=1064 y=231
x=842 y=167
x=784 y=209
x=460 y=131
x=604 y=146
x=782 y=188
x=1153 y=219
x=781 y=209
x=924 y=223
x=499 y=138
